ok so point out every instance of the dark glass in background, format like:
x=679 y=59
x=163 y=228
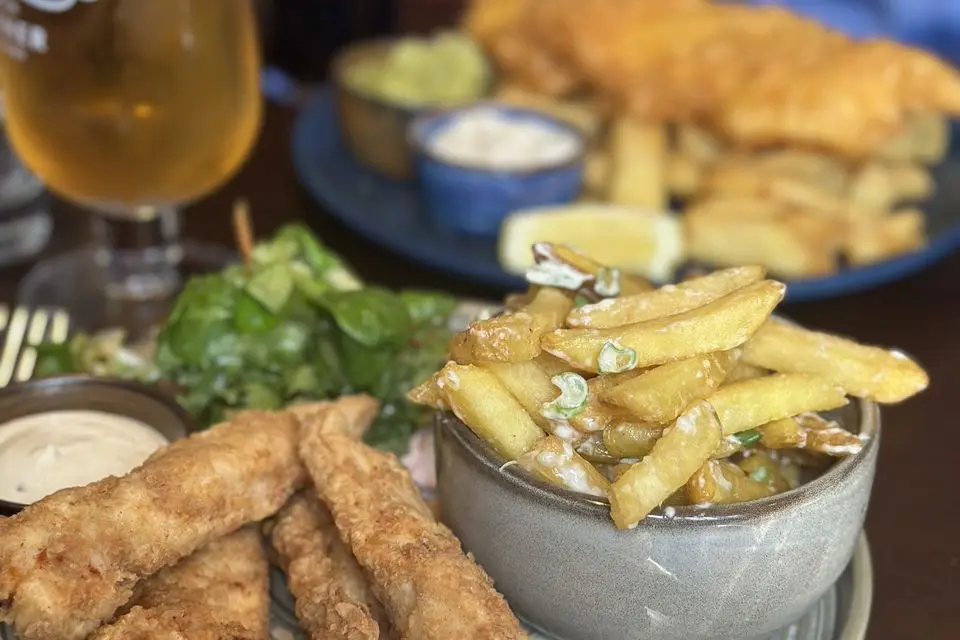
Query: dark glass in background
x=301 y=36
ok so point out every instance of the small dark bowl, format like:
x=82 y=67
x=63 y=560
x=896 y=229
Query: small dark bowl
x=725 y=572
x=475 y=200
x=87 y=393
x=374 y=129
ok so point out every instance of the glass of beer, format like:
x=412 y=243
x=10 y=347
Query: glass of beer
x=128 y=108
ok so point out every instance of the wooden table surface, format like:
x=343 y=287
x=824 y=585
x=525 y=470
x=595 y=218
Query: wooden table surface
x=914 y=518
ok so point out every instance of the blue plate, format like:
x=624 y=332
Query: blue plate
x=391 y=214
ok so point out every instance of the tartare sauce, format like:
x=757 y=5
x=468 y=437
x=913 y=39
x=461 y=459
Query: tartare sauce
x=486 y=138
x=45 y=452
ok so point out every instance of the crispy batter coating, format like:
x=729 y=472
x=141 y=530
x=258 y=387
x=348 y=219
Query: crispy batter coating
x=431 y=590
x=68 y=562
x=220 y=592
x=359 y=410
x=760 y=75
x=333 y=598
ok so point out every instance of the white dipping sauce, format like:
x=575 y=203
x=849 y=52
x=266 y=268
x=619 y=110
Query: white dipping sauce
x=46 y=452
x=488 y=139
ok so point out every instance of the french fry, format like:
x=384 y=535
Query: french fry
x=596 y=172
x=751 y=403
x=698 y=144
x=617 y=470
x=872 y=188
x=743 y=371
x=663 y=393
x=789 y=469
x=862 y=371
x=828 y=437
x=665 y=301
x=729 y=445
x=638 y=152
x=785 y=433
x=722 y=482
x=554 y=461
x=512 y=337
x=517 y=301
x=806 y=459
x=589 y=270
x=789 y=242
x=597 y=415
x=429 y=394
x=720 y=325
x=924 y=139
x=876 y=239
x=529 y=384
x=593 y=449
x=788 y=169
x=683 y=175
x=761 y=468
x=911 y=182
x=483 y=404
x=676 y=456
x=631 y=440
x=552 y=365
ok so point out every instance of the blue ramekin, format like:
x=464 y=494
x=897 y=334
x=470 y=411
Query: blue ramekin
x=475 y=200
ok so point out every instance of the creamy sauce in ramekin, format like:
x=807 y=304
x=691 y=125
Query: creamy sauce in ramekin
x=45 y=452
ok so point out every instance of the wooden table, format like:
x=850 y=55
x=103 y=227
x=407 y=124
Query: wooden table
x=914 y=518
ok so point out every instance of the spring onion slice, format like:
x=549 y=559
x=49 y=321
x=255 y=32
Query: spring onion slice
x=572 y=398
x=615 y=358
x=748 y=438
x=608 y=282
x=551 y=273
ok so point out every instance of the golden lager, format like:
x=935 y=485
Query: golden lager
x=117 y=104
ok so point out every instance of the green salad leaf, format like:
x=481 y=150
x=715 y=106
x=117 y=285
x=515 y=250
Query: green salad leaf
x=297 y=325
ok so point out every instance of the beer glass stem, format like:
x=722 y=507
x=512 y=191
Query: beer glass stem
x=140 y=253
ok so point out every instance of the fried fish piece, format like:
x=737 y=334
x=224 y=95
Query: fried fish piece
x=759 y=76
x=221 y=591
x=430 y=589
x=333 y=598
x=68 y=562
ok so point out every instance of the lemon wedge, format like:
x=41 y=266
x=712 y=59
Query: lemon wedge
x=635 y=239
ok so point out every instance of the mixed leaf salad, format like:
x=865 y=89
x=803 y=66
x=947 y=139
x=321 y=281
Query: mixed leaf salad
x=293 y=325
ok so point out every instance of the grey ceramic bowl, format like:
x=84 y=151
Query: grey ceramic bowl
x=80 y=392
x=720 y=573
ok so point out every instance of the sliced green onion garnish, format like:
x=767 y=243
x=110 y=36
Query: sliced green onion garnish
x=572 y=398
x=760 y=474
x=556 y=274
x=608 y=282
x=614 y=358
x=580 y=301
x=748 y=438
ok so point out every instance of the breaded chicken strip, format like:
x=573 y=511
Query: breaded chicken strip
x=68 y=562
x=360 y=410
x=333 y=598
x=431 y=590
x=220 y=592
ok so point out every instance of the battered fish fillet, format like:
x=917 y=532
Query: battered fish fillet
x=431 y=590
x=760 y=75
x=333 y=598
x=221 y=592
x=68 y=562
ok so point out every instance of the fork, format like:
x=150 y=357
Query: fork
x=25 y=328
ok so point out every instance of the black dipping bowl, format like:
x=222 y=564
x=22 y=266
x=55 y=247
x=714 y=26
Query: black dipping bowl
x=87 y=393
